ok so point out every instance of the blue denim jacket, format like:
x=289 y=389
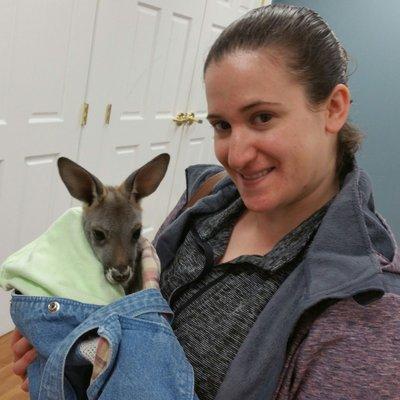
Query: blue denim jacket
x=146 y=361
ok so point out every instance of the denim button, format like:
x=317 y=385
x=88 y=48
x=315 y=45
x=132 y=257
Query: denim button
x=53 y=306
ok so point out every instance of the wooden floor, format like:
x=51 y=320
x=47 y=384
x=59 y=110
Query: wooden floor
x=9 y=383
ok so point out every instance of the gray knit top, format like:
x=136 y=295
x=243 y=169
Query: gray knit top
x=215 y=305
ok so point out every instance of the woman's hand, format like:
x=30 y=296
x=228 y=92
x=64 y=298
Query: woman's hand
x=24 y=354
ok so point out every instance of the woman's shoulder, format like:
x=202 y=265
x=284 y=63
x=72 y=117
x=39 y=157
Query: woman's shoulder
x=347 y=319
x=197 y=174
x=349 y=350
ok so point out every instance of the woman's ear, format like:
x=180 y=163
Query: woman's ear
x=337 y=108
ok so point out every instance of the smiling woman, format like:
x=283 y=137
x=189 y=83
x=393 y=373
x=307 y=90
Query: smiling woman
x=285 y=233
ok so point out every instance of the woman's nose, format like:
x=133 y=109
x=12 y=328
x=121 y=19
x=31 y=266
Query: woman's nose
x=241 y=149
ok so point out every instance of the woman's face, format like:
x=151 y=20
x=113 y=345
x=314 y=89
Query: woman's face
x=276 y=150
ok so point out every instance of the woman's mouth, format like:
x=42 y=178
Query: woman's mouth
x=256 y=176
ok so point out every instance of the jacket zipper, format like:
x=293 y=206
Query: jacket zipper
x=198 y=294
x=209 y=264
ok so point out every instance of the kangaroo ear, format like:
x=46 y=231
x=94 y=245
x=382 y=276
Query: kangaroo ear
x=146 y=179
x=81 y=184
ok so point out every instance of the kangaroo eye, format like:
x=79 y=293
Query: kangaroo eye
x=98 y=235
x=136 y=234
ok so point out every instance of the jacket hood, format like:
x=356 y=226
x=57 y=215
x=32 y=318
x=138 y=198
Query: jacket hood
x=344 y=250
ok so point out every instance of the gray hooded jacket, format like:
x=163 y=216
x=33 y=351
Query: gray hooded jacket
x=341 y=262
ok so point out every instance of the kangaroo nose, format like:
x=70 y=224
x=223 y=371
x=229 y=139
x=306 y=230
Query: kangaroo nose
x=120 y=272
x=122 y=268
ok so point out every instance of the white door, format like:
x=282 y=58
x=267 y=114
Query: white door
x=197 y=146
x=143 y=60
x=45 y=52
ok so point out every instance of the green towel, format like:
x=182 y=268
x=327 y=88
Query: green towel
x=60 y=263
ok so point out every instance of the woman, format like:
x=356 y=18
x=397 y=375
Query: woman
x=284 y=280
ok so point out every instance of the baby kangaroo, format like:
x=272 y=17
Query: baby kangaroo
x=112 y=216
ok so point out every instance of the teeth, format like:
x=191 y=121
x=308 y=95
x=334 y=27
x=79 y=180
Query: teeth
x=259 y=175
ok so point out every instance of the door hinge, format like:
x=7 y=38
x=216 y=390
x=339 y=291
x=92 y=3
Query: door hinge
x=85 y=114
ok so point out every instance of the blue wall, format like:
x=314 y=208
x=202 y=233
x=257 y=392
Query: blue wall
x=370 y=32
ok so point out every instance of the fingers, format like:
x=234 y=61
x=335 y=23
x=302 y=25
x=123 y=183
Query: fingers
x=24 y=354
x=19 y=345
x=25 y=385
x=16 y=335
x=20 y=366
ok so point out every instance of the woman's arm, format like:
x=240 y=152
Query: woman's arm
x=350 y=352
x=24 y=354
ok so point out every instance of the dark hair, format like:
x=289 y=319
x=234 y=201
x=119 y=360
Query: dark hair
x=315 y=58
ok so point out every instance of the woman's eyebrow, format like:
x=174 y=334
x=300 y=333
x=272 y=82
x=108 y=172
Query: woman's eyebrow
x=258 y=103
x=247 y=107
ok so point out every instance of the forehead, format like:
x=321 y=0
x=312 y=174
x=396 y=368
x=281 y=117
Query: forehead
x=114 y=211
x=243 y=76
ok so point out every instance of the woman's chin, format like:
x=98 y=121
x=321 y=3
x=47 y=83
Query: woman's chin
x=258 y=204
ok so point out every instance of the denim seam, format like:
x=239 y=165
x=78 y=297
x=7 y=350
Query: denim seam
x=137 y=321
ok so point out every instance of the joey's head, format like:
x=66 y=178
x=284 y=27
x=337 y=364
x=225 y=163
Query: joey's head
x=112 y=215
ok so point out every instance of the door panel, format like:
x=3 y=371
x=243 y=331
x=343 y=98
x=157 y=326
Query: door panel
x=45 y=52
x=47 y=73
x=143 y=60
x=197 y=145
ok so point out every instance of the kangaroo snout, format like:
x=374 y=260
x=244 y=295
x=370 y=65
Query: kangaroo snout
x=119 y=274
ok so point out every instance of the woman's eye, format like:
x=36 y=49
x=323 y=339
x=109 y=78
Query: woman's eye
x=221 y=125
x=98 y=235
x=262 y=118
x=136 y=234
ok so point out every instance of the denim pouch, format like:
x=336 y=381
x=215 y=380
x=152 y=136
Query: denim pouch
x=145 y=359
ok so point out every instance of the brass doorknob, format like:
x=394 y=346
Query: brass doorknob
x=180 y=119
x=191 y=118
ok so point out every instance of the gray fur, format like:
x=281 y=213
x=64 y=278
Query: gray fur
x=115 y=213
